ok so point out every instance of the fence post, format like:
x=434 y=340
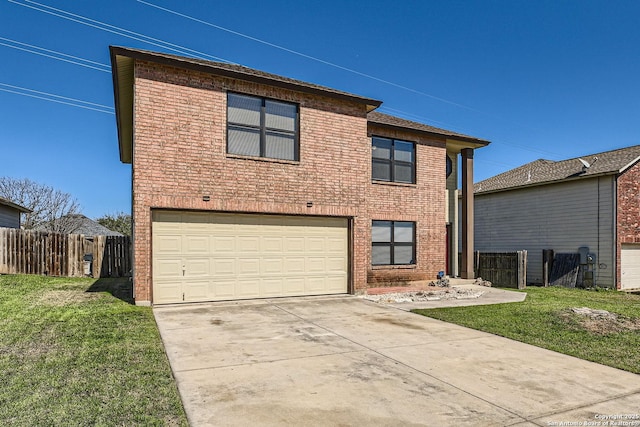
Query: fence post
x=522 y=269
x=547 y=263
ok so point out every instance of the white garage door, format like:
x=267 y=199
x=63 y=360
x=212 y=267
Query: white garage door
x=630 y=267
x=215 y=257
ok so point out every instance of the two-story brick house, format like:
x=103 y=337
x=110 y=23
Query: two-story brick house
x=249 y=185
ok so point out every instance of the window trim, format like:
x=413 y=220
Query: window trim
x=392 y=161
x=263 y=129
x=392 y=244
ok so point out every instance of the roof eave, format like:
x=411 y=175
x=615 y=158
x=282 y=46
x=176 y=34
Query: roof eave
x=467 y=141
x=122 y=69
x=633 y=162
x=371 y=104
x=539 y=184
x=15 y=206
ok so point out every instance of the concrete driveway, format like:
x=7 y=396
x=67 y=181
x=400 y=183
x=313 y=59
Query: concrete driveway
x=345 y=361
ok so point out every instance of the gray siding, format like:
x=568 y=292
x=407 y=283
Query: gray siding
x=9 y=217
x=562 y=217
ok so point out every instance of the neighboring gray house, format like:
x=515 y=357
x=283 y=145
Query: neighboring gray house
x=10 y=213
x=593 y=202
x=80 y=224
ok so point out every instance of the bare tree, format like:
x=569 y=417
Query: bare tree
x=53 y=210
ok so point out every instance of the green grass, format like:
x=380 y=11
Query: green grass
x=76 y=352
x=545 y=320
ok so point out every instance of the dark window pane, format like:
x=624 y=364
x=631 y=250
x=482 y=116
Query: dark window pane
x=403 y=232
x=381 y=148
x=280 y=146
x=403 y=173
x=243 y=110
x=403 y=255
x=279 y=115
x=403 y=151
x=381 y=231
x=244 y=141
x=381 y=255
x=381 y=170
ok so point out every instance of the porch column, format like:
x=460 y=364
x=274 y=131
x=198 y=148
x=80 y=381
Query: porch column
x=467 y=214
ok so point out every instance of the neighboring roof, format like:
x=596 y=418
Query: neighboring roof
x=398 y=123
x=122 y=60
x=83 y=225
x=16 y=206
x=542 y=171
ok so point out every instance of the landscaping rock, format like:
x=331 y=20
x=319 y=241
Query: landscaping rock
x=481 y=282
x=426 y=295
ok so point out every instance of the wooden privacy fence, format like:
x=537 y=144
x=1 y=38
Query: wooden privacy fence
x=68 y=255
x=504 y=269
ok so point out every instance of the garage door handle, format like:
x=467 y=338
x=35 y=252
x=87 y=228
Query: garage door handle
x=183 y=270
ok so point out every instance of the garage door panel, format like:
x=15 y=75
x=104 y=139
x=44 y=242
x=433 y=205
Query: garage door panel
x=167 y=268
x=293 y=244
x=197 y=267
x=167 y=291
x=315 y=244
x=293 y=265
x=271 y=287
x=248 y=267
x=240 y=256
x=167 y=244
x=196 y=244
x=224 y=244
x=248 y=288
x=196 y=290
x=272 y=266
x=315 y=265
x=315 y=284
x=336 y=283
x=271 y=244
x=335 y=245
x=630 y=267
x=336 y=264
x=223 y=266
x=294 y=285
x=248 y=244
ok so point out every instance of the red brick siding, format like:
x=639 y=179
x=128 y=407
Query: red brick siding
x=424 y=203
x=628 y=212
x=180 y=156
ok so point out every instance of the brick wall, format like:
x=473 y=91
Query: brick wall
x=628 y=212
x=424 y=203
x=180 y=156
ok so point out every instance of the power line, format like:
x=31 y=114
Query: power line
x=76 y=60
x=304 y=55
x=60 y=13
x=182 y=50
x=74 y=102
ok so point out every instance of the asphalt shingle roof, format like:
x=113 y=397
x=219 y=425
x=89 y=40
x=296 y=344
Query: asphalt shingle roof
x=385 y=119
x=238 y=71
x=7 y=202
x=543 y=171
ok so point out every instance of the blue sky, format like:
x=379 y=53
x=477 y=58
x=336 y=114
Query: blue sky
x=540 y=79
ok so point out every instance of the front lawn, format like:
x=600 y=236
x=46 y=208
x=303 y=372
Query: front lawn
x=75 y=352
x=545 y=319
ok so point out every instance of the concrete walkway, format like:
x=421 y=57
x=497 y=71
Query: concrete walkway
x=346 y=361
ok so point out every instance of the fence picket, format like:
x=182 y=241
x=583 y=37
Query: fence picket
x=55 y=254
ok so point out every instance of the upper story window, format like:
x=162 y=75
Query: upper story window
x=262 y=127
x=393 y=160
